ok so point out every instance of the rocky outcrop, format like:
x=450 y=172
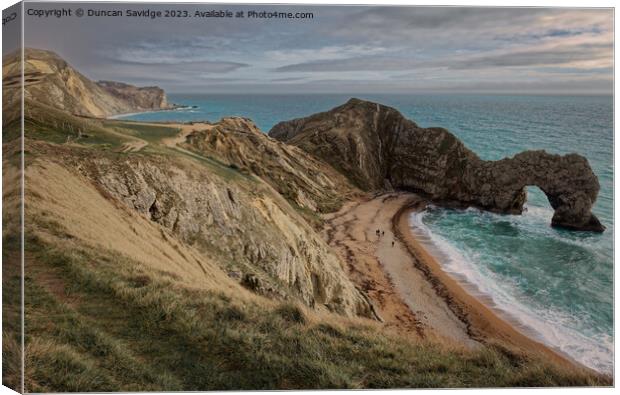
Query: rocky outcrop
x=378 y=148
x=138 y=98
x=239 y=222
x=301 y=178
x=51 y=81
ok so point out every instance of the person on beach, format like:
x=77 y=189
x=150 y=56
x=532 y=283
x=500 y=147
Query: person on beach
x=392 y=243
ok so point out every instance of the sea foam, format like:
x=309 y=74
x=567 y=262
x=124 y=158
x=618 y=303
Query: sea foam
x=551 y=327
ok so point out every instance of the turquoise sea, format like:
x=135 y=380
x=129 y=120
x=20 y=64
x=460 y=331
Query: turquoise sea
x=555 y=283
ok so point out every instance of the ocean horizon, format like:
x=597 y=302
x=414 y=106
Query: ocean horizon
x=555 y=282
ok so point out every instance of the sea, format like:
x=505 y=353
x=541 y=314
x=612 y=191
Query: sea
x=554 y=284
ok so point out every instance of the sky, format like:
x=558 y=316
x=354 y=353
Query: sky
x=342 y=49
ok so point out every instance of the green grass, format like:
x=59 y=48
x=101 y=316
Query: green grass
x=54 y=126
x=97 y=321
x=11 y=312
x=149 y=133
x=107 y=135
x=40 y=131
x=155 y=133
x=221 y=169
x=11 y=131
x=92 y=136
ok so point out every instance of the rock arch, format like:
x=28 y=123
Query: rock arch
x=568 y=182
x=377 y=148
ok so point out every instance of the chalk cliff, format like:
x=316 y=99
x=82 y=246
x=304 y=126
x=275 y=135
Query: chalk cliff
x=50 y=80
x=137 y=98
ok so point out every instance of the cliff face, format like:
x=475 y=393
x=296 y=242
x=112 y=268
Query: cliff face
x=299 y=177
x=358 y=139
x=50 y=80
x=376 y=147
x=234 y=217
x=251 y=232
x=146 y=98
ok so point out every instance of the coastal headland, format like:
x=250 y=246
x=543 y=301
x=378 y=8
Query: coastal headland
x=213 y=256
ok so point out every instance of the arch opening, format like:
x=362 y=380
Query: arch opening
x=536 y=200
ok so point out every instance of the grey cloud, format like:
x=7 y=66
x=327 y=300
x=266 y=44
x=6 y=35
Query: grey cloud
x=386 y=24
x=170 y=50
x=389 y=49
x=351 y=64
x=553 y=70
x=434 y=29
x=389 y=19
x=534 y=57
x=444 y=17
x=288 y=79
x=196 y=66
x=162 y=75
x=518 y=58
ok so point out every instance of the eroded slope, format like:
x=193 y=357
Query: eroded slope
x=299 y=177
x=234 y=219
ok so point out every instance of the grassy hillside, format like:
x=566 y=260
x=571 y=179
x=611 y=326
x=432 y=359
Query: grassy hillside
x=98 y=321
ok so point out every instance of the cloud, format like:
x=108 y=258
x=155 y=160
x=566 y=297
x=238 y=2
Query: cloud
x=591 y=51
x=387 y=49
x=351 y=64
x=459 y=24
x=193 y=75
x=173 y=51
x=330 y=52
x=562 y=55
x=288 y=79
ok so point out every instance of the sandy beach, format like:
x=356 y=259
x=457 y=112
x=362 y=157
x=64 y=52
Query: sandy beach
x=406 y=283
